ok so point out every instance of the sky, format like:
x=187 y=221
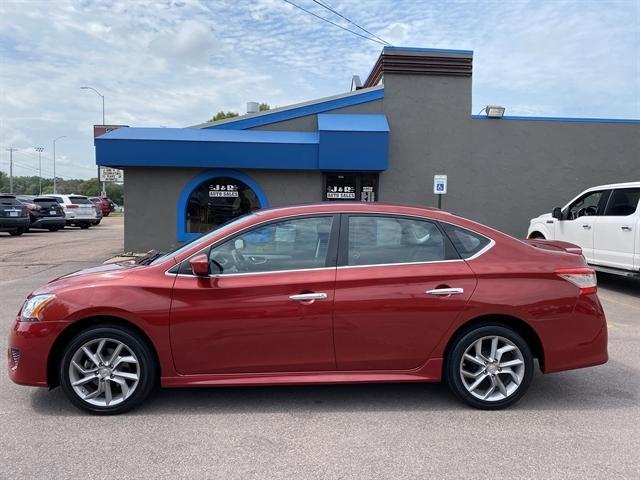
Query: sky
x=175 y=63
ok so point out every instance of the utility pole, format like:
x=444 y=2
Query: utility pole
x=39 y=150
x=11 y=150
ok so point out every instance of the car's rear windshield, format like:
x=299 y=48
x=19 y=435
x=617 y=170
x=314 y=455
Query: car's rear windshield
x=8 y=200
x=46 y=201
x=80 y=200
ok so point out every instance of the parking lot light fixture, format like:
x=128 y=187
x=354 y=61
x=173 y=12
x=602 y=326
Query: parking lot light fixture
x=39 y=150
x=55 y=190
x=493 y=111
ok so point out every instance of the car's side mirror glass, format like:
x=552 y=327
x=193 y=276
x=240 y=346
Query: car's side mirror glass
x=557 y=213
x=200 y=264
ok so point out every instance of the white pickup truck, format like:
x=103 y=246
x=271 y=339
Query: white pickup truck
x=604 y=221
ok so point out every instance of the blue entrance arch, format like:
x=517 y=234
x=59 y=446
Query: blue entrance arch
x=196 y=181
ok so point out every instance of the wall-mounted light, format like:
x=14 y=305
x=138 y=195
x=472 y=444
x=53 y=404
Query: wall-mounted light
x=493 y=111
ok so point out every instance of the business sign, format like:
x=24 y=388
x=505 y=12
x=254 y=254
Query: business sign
x=341 y=192
x=108 y=174
x=102 y=129
x=440 y=184
x=223 y=191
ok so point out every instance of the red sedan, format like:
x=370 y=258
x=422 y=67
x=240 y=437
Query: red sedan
x=327 y=293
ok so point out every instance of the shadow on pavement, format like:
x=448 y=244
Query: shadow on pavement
x=619 y=283
x=588 y=389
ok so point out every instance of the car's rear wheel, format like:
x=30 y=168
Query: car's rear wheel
x=18 y=232
x=489 y=367
x=107 y=370
x=54 y=229
x=84 y=226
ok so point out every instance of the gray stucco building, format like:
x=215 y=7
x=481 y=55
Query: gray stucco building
x=382 y=142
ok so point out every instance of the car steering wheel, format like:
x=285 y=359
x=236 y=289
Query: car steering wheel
x=238 y=259
x=222 y=260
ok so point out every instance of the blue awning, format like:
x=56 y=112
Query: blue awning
x=349 y=142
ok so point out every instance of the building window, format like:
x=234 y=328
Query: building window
x=217 y=201
x=350 y=186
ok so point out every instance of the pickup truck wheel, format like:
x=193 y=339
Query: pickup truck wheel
x=18 y=232
x=537 y=235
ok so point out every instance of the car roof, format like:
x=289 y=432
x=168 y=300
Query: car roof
x=346 y=207
x=616 y=185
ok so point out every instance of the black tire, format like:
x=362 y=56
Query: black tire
x=148 y=372
x=453 y=366
x=18 y=232
x=54 y=229
x=84 y=226
x=106 y=214
x=537 y=236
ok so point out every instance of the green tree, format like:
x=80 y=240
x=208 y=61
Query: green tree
x=221 y=115
x=263 y=107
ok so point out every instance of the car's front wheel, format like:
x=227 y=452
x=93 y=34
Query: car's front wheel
x=107 y=370
x=489 y=367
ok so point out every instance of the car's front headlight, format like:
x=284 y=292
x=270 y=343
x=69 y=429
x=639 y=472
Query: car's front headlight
x=33 y=307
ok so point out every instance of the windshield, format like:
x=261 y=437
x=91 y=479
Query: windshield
x=185 y=246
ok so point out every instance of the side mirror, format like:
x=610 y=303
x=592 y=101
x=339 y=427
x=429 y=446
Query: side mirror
x=557 y=213
x=238 y=244
x=200 y=265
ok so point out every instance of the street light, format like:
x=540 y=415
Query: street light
x=493 y=111
x=55 y=190
x=102 y=97
x=39 y=150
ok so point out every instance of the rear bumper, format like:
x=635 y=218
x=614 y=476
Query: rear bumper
x=13 y=223
x=581 y=342
x=30 y=343
x=49 y=222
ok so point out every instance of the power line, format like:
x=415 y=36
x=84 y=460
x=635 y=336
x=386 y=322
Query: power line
x=333 y=23
x=331 y=9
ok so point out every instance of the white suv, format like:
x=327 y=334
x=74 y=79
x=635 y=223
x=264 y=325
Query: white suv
x=78 y=210
x=604 y=221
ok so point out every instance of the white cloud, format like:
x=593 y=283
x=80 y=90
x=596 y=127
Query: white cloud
x=175 y=63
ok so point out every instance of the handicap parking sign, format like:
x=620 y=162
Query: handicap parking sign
x=440 y=184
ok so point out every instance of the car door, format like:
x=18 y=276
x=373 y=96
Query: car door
x=616 y=235
x=399 y=286
x=578 y=221
x=265 y=307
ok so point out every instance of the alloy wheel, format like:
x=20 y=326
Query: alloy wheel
x=104 y=372
x=492 y=368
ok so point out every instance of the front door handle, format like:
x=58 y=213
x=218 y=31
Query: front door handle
x=308 y=297
x=626 y=228
x=441 y=292
x=586 y=226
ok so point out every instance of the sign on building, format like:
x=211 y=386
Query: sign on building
x=108 y=174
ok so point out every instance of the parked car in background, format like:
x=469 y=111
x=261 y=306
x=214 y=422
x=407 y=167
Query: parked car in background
x=14 y=216
x=44 y=212
x=326 y=293
x=79 y=210
x=105 y=203
x=604 y=222
x=98 y=213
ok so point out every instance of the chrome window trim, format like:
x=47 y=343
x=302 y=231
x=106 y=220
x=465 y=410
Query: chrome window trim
x=488 y=247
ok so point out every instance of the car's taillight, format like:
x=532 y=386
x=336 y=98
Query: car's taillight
x=72 y=206
x=583 y=278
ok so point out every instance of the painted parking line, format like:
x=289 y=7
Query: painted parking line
x=611 y=325
x=618 y=302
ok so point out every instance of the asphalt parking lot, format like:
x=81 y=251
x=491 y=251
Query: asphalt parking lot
x=578 y=424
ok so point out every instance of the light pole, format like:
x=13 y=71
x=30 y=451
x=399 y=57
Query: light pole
x=55 y=189
x=39 y=150
x=102 y=97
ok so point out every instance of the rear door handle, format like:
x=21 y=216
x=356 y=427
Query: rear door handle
x=308 y=297
x=441 y=292
x=626 y=228
x=586 y=226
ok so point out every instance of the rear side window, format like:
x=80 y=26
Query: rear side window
x=80 y=201
x=381 y=240
x=623 y=202
x=466 y=242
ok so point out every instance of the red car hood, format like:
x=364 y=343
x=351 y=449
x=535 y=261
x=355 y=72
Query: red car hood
x=101 y=273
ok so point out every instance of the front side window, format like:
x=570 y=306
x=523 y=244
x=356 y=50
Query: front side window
x=218 y=201
x=287 y=245
x=587 y=205
x=623 y=202
x=379 y=240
